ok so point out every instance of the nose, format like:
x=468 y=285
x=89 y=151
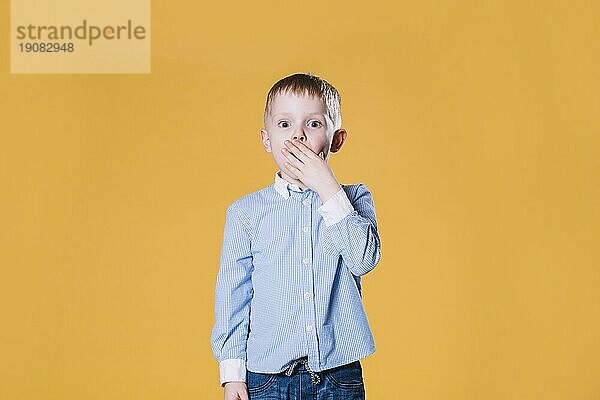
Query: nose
x=299 y=134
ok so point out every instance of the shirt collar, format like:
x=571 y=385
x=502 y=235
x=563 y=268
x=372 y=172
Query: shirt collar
x=282 y=186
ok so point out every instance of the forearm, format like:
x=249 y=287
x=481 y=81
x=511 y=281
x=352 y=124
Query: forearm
x=353 y=229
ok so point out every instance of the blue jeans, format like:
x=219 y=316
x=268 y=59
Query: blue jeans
x=344 y=382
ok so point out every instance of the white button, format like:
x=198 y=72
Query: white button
x=305 y=261
x=305 y=229
x=309 y=328
x=306 y=202
x=307 y=295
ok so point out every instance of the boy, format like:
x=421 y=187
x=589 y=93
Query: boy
x=288 y=301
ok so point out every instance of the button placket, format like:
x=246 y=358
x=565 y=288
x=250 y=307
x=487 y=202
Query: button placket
x=306 y=254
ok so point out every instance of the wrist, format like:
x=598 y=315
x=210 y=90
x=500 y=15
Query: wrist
x=232 y=383
x=327 y=192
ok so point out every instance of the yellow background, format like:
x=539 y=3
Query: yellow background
x=474 y=123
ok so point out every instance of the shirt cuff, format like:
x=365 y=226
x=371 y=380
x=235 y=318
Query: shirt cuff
x=335 y=208
x=233 y=369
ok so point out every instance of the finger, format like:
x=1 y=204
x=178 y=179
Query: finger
x=291 y=157
x=295 y=172
x=243 y=394
x=300 y=150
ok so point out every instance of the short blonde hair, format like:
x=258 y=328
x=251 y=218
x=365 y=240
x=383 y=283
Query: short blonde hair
x=308 y=84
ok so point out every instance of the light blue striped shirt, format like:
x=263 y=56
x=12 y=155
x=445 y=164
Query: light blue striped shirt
x=289 y=281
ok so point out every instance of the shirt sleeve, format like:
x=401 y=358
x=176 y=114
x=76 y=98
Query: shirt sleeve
x=336 y=208
x=233 y=293
x=355 y=234
x=232 y=370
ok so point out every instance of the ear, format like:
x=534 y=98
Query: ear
x=265 y=140
x=339 y=137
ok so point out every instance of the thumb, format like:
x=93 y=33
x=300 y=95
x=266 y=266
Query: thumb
x=322 y=155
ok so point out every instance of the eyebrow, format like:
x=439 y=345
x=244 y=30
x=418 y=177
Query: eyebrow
x=288 y=114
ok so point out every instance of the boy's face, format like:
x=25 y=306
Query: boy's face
x=298 y=117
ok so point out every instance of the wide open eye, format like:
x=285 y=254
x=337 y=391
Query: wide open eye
x=283 y=124
x=315 y=124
